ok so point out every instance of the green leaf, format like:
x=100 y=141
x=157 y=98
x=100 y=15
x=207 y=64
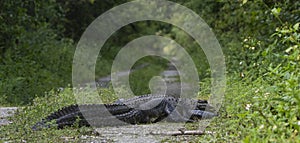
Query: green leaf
x=92 y=1
x=296 y=26
x=244 y=1
x=276 y=11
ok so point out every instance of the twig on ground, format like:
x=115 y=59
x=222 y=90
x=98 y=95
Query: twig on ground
x=181 y=132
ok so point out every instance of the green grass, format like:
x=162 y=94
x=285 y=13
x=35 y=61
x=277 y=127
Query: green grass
x=27 y=116
x=20 y=130
x=251 y=112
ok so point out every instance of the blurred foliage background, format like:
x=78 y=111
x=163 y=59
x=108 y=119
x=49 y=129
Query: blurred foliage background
x=38 y=39
x=260 y=39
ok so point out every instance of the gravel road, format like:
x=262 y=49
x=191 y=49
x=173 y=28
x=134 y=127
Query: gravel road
x=6 y=112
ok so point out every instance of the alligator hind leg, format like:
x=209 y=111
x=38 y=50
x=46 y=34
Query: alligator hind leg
x=172 y=114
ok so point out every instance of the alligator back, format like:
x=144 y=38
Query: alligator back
x=136 y=101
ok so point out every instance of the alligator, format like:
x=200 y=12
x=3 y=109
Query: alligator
x=137 y=110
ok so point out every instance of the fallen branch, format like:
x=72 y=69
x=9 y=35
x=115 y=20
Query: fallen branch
x=180 y=132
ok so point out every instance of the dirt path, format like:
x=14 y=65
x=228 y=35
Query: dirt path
x=151 y=133
x=5 y=112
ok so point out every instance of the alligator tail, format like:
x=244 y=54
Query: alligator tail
x=73 y=114
x=72 y=110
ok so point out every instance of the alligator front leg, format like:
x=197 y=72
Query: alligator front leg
x=165 y=109
x=175 y=116
x=199 y=114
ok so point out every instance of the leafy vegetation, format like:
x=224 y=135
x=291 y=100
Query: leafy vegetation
x=260 y=39
x=34 y=58
x=23 y=121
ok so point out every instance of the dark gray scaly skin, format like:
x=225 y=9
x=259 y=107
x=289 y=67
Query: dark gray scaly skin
x=139 y=100
x=88 y=113
x=133 y=111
